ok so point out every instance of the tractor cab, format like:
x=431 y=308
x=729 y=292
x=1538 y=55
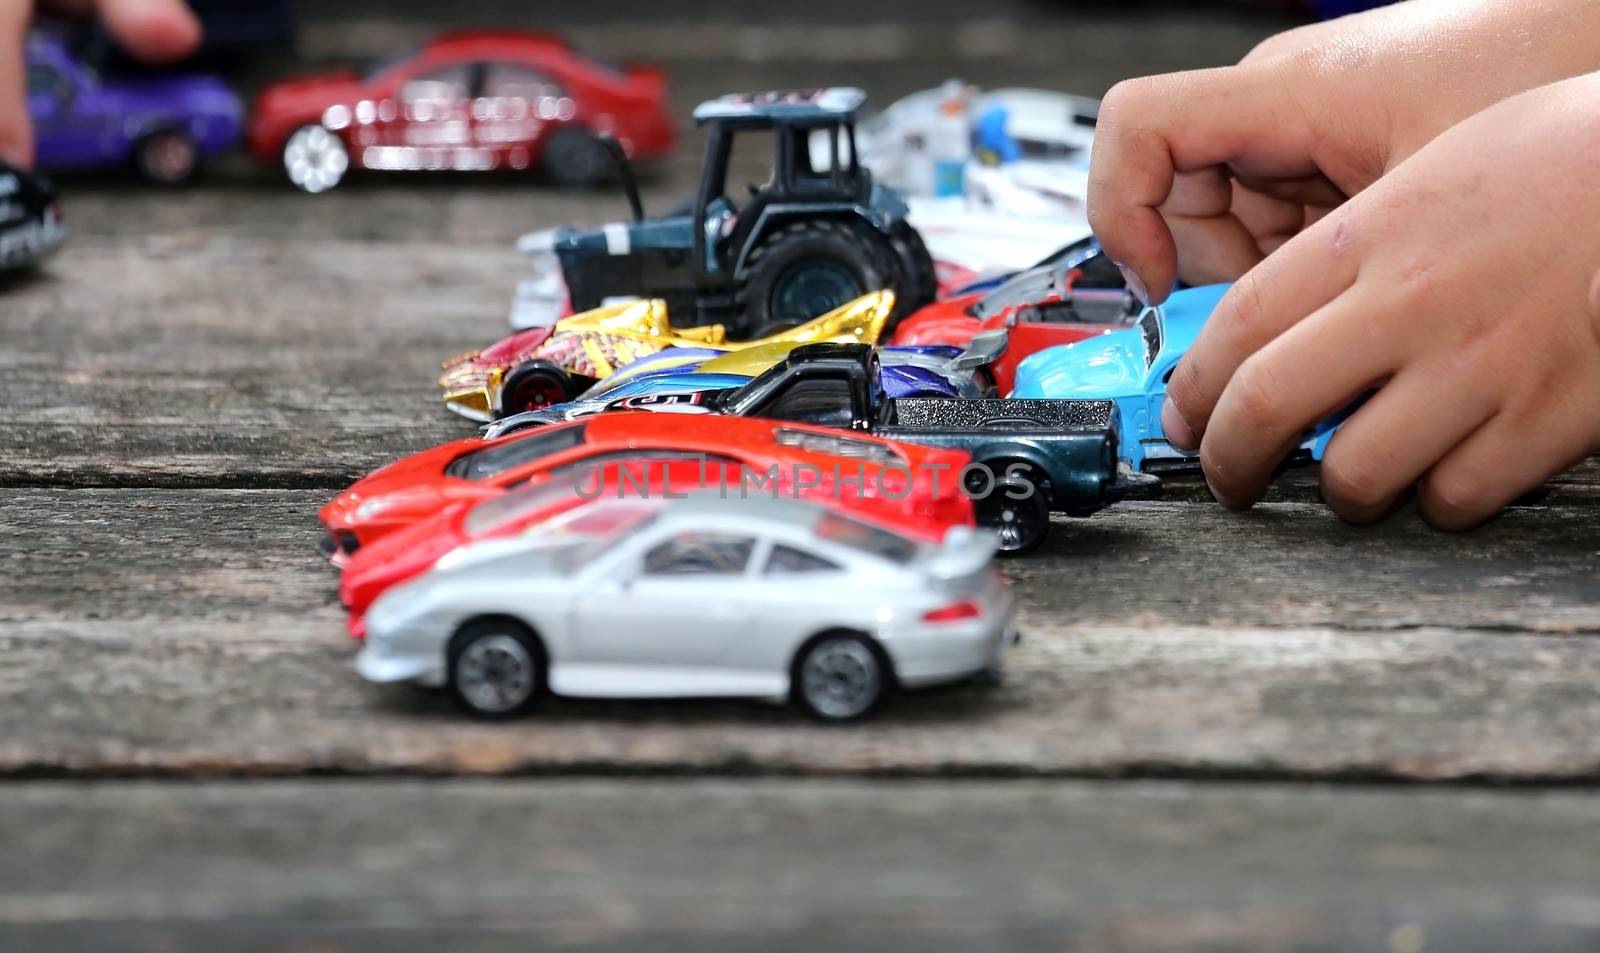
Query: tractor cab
x=792 y=119
x=759 y=258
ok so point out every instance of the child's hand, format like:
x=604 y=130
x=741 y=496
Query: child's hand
x=1203 y=173
x=156 y=31
x=1465 y=284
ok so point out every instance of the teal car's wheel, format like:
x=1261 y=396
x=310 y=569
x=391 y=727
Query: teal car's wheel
x=1013 y=506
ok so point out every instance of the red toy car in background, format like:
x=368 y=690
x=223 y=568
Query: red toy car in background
x=914 y=487
x=467 y=102
x=1039 y=308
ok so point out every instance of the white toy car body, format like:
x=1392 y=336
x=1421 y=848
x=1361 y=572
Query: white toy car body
x=707 y=595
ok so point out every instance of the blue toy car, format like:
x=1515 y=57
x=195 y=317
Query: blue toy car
x=1132 y=367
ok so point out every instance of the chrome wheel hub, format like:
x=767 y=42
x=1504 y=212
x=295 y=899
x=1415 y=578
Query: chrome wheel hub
x=840 y=678
x=495 y=674
x=315 y=159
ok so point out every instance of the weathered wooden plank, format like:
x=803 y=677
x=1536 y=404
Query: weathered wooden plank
x=195 y=631
x=133 y=553
x=738 y=865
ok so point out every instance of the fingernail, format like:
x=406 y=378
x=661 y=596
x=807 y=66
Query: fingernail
x=1134 y=284
x=1175 y=428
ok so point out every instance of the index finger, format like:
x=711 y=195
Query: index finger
x=1151 y=129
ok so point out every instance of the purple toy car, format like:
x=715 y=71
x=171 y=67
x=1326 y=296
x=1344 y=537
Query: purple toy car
x=162 y=125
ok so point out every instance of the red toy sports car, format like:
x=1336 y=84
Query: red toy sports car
x=558 y=511
x=1039 y=308
x=466 y=102
x=884 y=480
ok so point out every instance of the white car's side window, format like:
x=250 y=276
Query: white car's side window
x=700 y=554
x=788 y=561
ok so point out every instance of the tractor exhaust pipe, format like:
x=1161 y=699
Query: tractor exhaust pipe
x=630 y=184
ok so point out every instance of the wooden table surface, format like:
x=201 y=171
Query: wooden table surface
x=1261 y=731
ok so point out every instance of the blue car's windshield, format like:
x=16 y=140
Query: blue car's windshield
x=1150 y=333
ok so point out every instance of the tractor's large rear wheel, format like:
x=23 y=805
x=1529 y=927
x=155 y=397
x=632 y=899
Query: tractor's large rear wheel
x=807 y=269
x=919 y=282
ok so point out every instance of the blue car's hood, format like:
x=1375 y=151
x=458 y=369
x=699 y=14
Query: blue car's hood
x=1105 y=367
x=1112 y=366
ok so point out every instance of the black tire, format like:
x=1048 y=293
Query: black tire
x=497 y=668
x=534 y=385
x=167 y=157
x=806 y=269
x=1021 y=524
x=919 y=282
x=576 y=160
x=844 y=653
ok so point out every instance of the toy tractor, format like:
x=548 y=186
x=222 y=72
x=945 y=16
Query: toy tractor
x=803 y=244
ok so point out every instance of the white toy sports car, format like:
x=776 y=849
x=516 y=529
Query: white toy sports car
x=701 y=596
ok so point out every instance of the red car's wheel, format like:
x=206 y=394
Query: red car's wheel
x=315 y=159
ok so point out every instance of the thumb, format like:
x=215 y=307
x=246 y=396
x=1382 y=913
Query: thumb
x=1244 y=118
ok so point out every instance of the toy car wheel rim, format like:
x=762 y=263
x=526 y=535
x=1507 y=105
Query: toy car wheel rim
x=536 y=393
x=315 y=159
x=1019 y=523
x=841 y=678
x=811 y=288
x=169 y=156
x=495 y=674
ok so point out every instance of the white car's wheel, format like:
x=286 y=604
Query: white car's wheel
x=497 y=668
x=840 y=676
x=315 y=159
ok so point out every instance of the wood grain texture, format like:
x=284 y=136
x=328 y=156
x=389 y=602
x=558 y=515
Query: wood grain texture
x=177 y=631
x=790 y=866
x=200 y=370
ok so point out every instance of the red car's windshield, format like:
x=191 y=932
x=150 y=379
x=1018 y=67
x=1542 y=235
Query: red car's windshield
x=494 y=460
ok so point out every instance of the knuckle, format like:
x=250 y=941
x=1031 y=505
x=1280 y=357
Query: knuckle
x=1256 y=395
x=1242 y=309
x=1416 y=279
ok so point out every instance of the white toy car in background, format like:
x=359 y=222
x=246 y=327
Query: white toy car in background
x=1050 y=127
x=1008 y=215
x=702 y=596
